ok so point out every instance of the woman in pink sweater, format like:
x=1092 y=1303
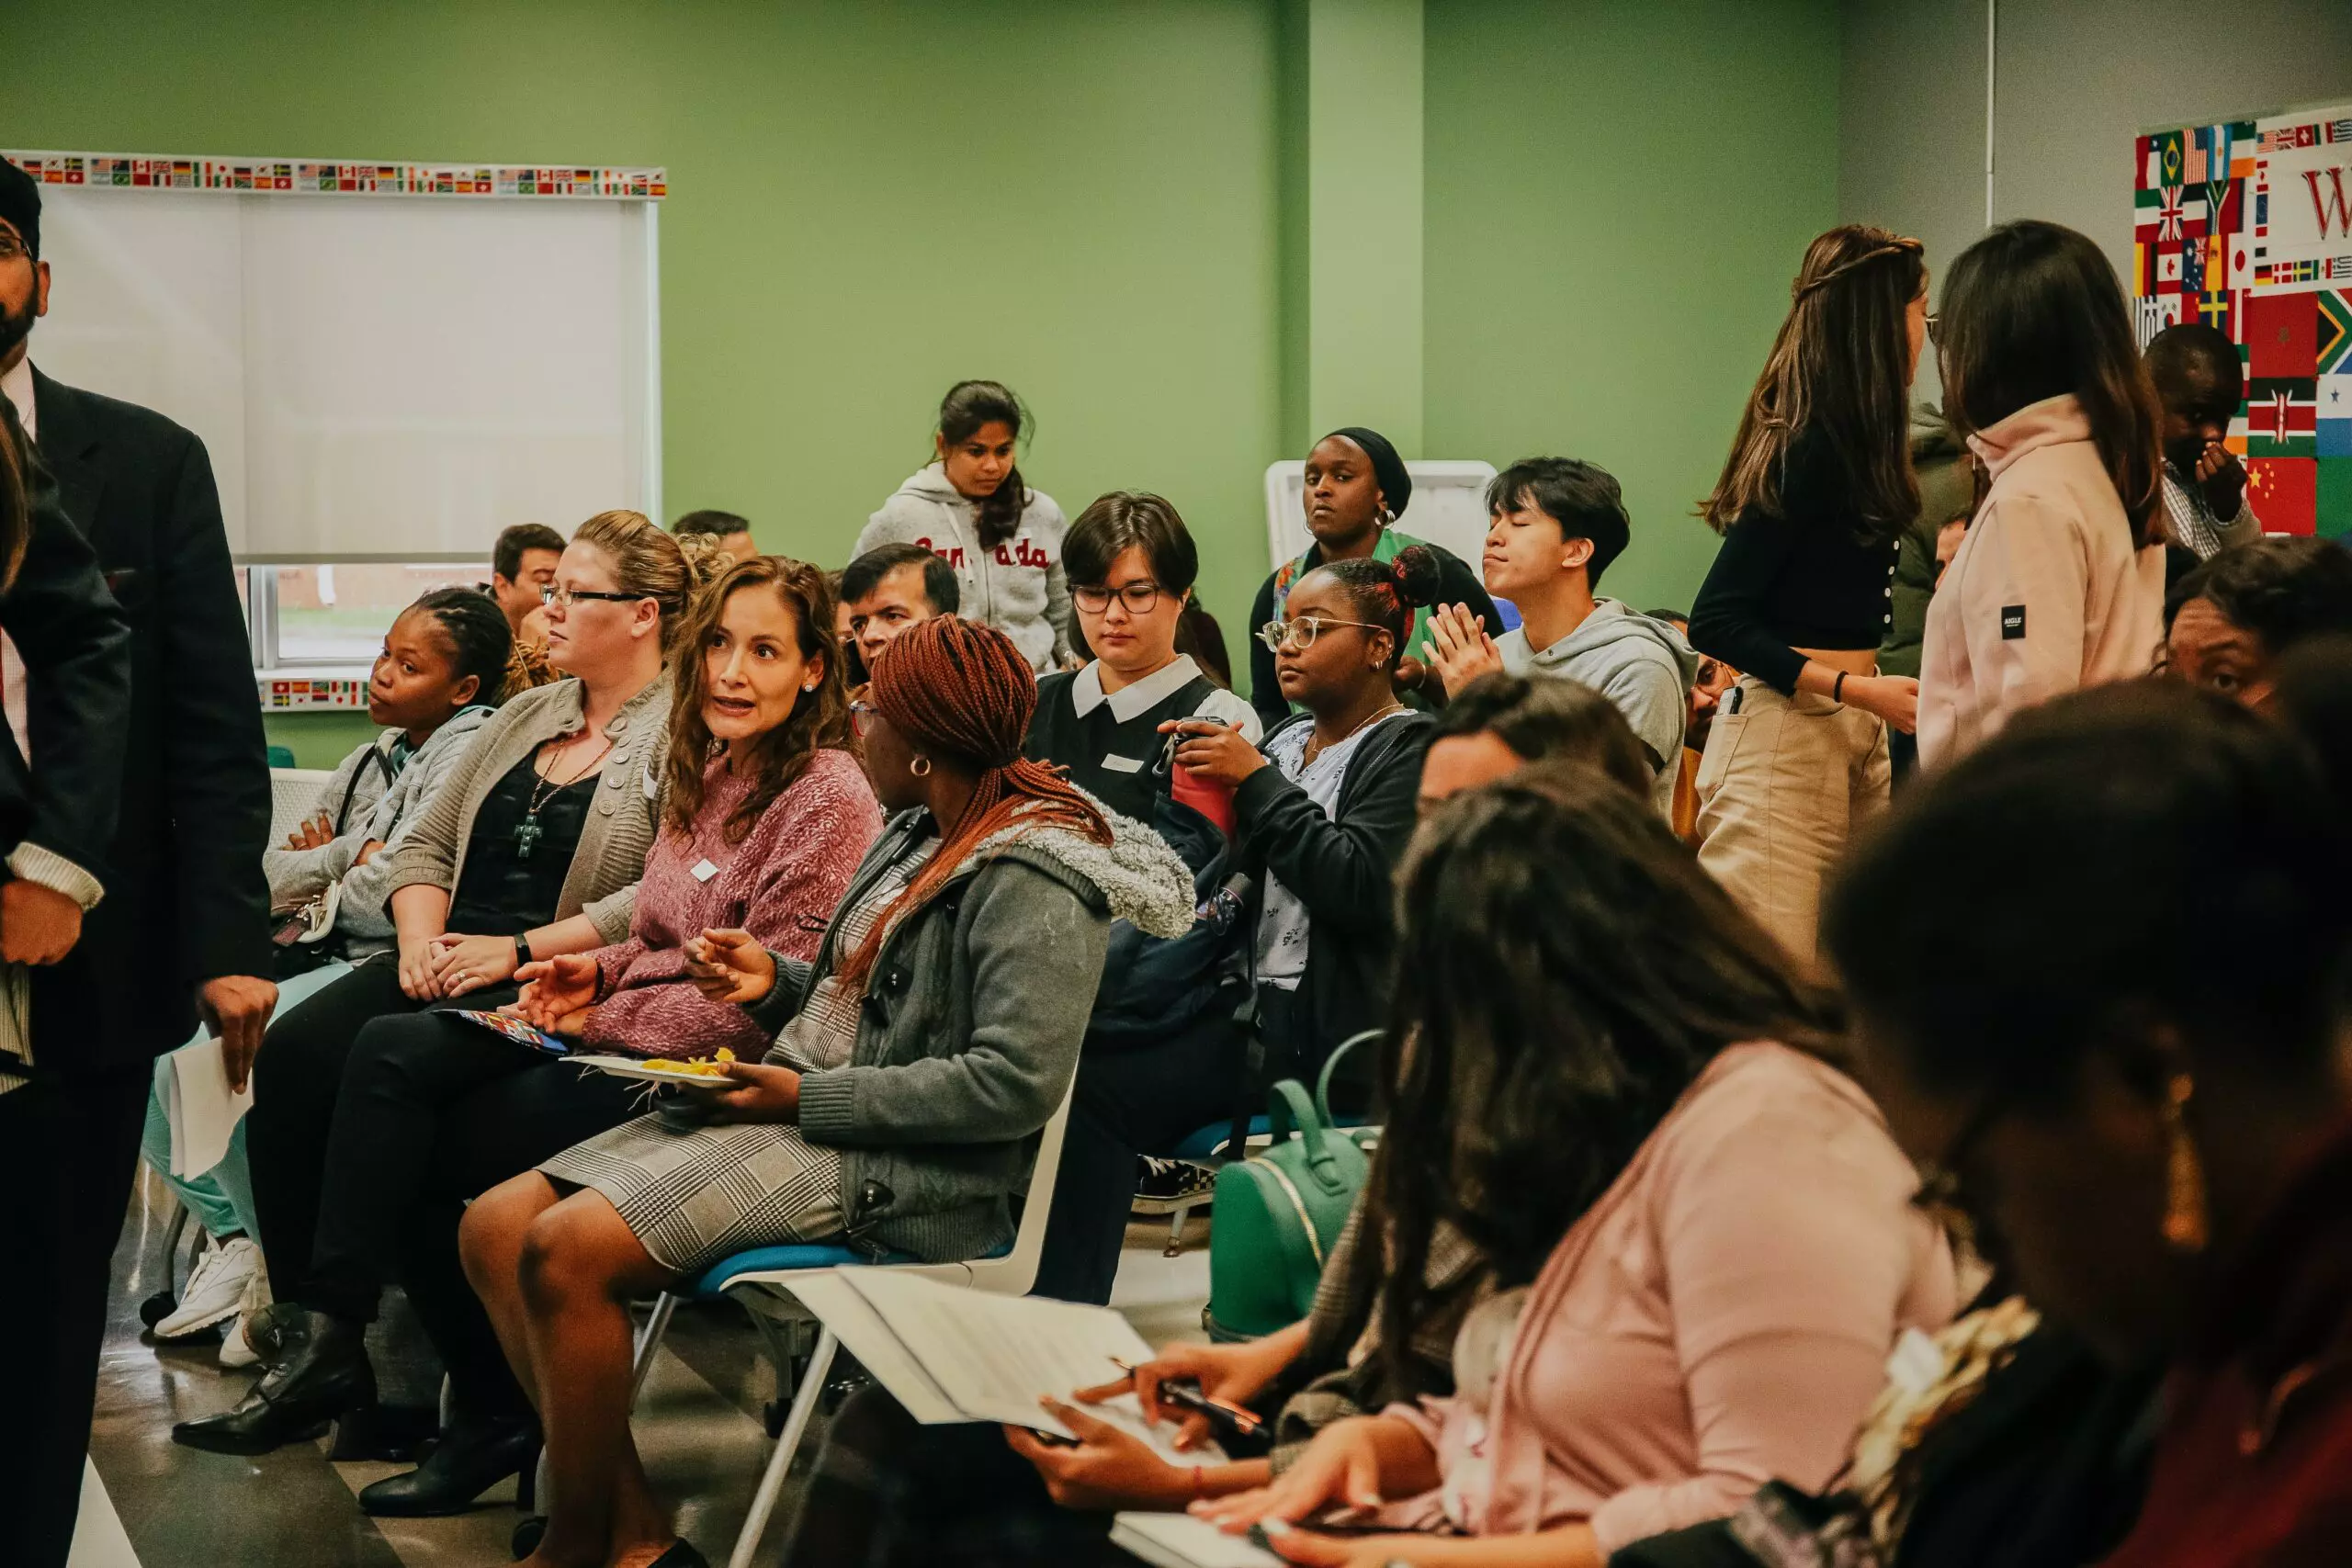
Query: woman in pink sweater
x=1699 y=1235
x=2060 y=582
x=766 y=814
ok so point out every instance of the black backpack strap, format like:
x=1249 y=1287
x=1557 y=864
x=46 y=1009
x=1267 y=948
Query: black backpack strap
x=351 y=789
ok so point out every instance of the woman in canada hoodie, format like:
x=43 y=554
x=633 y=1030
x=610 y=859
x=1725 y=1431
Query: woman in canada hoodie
x=971 y=509
x=2060 y=582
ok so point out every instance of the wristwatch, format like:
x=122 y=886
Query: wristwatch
x=522 y=949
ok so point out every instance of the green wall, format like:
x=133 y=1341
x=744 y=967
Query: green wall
x=1139 y=214
x=1618 y=195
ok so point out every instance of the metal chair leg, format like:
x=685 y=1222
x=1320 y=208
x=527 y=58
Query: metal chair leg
x=1176 y=1218
x=804 y=1406
x=649 y=1343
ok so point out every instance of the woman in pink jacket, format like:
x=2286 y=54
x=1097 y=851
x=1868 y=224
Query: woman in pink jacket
x=2060 y=582
x=1699 y=1235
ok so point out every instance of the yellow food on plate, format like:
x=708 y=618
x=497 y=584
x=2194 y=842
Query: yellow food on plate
x=699 y=1067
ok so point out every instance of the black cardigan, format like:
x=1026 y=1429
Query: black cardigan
x=75 y=646
x=1341 y=867
x=1457 y=584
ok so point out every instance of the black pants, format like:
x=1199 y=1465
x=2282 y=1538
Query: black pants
x=384 y=1122
x=1126 y=1103
x=70 y=1148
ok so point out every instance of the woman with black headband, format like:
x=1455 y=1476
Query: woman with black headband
x=1356 y=487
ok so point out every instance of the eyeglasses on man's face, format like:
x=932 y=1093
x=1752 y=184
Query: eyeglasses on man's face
x=1140 y=597
x=564 y=598
x=11 y=247
x=1302 y=630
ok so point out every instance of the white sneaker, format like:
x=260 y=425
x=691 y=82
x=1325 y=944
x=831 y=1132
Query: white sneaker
x=214 y=1290
x=236 y=1350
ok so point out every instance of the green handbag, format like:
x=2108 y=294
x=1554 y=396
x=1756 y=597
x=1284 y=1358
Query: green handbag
x=1279 y=1213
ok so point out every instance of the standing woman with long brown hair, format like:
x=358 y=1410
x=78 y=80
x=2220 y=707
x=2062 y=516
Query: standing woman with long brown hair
x=1811 y=505
x=2061 y=580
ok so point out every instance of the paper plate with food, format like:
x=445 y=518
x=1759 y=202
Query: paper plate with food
x=702 y=1072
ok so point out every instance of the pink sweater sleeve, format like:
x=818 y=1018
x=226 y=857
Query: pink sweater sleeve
x=1790 y=1250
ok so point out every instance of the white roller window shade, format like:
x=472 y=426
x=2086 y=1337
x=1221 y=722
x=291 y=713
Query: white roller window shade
x=388 y=380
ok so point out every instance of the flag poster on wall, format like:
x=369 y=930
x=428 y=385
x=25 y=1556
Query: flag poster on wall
x=2247 y=225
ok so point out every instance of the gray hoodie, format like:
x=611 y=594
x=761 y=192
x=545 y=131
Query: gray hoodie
x=1018 y=587
x=1642 y=665
x=363 y=917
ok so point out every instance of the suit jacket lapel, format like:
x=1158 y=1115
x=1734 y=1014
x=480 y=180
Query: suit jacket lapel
x=68 y=443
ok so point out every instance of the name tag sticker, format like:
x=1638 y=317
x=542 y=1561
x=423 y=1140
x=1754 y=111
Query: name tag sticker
x=1124 y=765
x=704 y=871
x=2012 y=622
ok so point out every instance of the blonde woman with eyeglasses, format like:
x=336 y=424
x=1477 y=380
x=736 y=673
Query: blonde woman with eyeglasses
x=533 y=848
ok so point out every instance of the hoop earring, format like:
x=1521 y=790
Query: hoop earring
x=920 y=767
x=2184 y=1216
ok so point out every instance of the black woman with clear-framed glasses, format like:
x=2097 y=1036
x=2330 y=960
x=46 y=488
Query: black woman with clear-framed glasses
x=1324 y=808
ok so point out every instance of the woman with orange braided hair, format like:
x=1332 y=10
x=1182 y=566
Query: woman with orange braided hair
x=944 y=1010
x=1812 y=503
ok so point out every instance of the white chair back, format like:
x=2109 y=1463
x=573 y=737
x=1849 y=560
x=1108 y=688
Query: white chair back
x=292 y=793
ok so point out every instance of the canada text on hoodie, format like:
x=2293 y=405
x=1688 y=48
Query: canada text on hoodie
x=1017 y=586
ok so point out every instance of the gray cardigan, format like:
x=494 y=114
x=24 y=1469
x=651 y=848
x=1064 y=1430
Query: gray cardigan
x=969 y=1035
x=602 y=881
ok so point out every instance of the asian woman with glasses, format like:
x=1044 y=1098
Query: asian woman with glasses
x=1131 y=563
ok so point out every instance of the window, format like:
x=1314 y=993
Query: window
x=309 y=617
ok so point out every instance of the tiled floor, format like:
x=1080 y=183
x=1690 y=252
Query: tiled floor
x=698 y=1421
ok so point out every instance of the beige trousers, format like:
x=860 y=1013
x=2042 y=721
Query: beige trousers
x=1785 y=783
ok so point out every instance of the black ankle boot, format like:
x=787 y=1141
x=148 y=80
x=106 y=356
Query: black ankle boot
x=318 y=1370
x=473 y=1458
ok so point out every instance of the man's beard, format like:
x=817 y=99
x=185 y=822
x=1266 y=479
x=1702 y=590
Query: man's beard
x=15 y=327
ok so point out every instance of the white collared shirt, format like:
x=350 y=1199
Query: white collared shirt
x=17 y=387
x=1086 y=695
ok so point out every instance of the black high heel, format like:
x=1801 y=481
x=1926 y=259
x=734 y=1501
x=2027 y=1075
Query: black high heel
x=473 y=1458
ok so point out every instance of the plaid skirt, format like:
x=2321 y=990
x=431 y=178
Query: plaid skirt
x=694 y=1194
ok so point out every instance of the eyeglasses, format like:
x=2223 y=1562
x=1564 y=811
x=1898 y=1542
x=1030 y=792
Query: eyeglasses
x=1942 y=1192
x=11 y=247
x=566 y=597
x=1304 y=630
x=1138 y=597
x=861 y=718
x=1935 y=329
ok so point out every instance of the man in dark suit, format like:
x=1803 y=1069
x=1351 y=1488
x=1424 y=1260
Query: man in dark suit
x=183 y=927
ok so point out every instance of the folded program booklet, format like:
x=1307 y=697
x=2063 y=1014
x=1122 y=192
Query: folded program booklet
x=948 y=1353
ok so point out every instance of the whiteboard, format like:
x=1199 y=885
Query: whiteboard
x=391 y=378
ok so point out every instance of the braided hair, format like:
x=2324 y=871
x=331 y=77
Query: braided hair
x=480 y=641
x=1385 y=593
x=962 y=689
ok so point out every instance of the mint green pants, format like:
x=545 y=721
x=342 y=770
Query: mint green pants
x=221 y=1199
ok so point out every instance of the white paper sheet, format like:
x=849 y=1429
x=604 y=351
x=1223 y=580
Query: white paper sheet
x=203 y=1111
x=1180 y=1541
x=994 y=1356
